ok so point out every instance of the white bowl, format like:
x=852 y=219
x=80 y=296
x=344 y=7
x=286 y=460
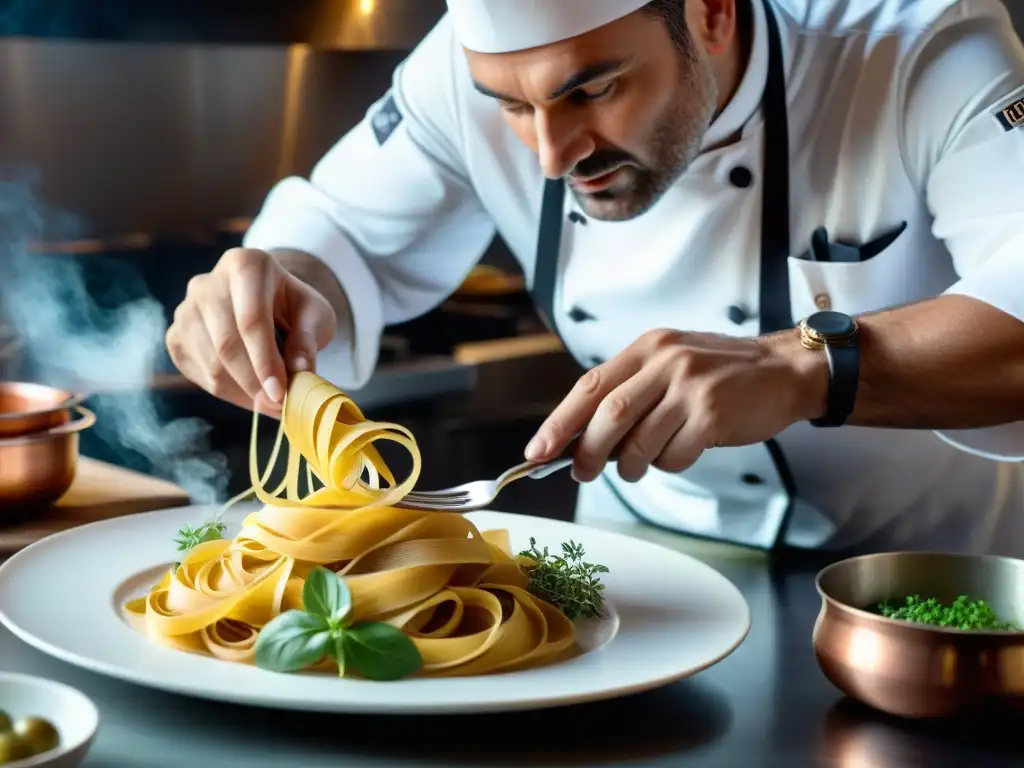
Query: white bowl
x=72 y=713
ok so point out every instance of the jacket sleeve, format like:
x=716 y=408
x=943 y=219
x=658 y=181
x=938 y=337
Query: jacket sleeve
x=390 y=208
x=963 y=145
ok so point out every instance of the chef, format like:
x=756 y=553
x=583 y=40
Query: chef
x=784 y=239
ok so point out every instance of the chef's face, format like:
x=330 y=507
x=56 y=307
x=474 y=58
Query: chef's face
x=621 y=111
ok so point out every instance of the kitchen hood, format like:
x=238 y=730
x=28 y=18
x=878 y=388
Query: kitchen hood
x=321 y=24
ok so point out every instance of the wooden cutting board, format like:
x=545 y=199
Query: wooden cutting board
x=100 y=491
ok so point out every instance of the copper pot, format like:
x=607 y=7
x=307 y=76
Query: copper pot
x=27 y=408
x=37 y=469
x=917 y=670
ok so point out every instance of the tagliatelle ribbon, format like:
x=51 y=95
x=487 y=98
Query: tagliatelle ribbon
x=457 y=592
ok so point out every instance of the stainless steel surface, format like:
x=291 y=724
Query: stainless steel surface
x=27 y=407
x=410 y=382
x=37 y=469
x=344 y=24
x=130 y=138
x=766 y=706
x=479 y=494
x=916 y=670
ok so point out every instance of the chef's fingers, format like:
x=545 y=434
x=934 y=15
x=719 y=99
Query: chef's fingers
x=192 y=351
x=189 y=356
x=253 y=279
x=686 y=445
x=234 y=394
x=624 y=407
x=649 y=439
x=580 y=405
x=230 y=360
x=313 y=324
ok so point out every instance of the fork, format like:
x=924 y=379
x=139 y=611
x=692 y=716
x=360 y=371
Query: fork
x=478 y=494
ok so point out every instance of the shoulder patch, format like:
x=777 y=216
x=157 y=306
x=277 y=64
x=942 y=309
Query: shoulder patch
x=1011 y=115
x=386 y=119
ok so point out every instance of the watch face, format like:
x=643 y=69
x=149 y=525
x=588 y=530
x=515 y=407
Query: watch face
x=831 y=324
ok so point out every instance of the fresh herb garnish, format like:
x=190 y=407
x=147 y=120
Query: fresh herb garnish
x=964 y=613
x=568 y=582
x=296 y=640
x=189 y=537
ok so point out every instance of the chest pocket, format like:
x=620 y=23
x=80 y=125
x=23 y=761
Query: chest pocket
x=854 y=278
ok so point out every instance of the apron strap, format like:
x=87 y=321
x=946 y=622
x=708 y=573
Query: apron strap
x=549 y=242
x=774 y=307
x=774 y=302
x=774 y=311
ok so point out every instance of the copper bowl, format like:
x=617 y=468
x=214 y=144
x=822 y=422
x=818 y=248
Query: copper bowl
x=27 y=408
x=919 y=670
x=37 y=469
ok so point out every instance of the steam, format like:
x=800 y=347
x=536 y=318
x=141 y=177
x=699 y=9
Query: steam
x=76 y=344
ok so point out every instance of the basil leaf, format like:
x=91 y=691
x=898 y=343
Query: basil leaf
x=325 y=594
x=336 y=650
x=292 y=641
x=380 y=651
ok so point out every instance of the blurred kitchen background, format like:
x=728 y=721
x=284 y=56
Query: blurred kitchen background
x=137 y=140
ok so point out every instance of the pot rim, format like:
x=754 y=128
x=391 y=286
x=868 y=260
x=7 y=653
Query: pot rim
x=86 y=420
x=911 y=626
x=72 y=400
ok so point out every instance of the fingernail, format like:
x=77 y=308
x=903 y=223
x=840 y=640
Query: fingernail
x=274 y=389
x=535 y=449
x=301 y=363
x=632 y=475
x=580 y=476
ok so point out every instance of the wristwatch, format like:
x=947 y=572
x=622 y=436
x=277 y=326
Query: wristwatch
x=837 y=334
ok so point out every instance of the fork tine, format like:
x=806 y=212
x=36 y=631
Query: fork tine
x=431 y=507
x=434 y=495
x=437 y=502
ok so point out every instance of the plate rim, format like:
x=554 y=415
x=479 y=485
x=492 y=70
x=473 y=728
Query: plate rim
x=396 y=706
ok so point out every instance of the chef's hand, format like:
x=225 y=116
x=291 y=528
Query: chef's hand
x=222 y=337
x=671 y=395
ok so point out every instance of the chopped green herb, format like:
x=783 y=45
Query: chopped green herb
x=963 y=613
x=568 y=582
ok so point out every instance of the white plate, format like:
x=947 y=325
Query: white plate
x=672 y=616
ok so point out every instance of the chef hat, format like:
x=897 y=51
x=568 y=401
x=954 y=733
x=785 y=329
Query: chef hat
x=499 y=26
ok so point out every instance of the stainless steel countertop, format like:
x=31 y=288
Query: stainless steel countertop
x=767 y=705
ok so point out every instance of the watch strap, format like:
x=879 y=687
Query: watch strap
x=844 y=376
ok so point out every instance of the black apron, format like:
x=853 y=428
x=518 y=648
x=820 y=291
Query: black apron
x=774 y=309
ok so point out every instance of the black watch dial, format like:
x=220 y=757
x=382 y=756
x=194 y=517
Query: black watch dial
x=831 y=324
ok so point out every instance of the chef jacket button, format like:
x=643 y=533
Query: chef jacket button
x=738 y=314
x=578 y=315
x=741 y=177
x=577 y=218
x=823 y=301
x=596 y=361
x=750 y=478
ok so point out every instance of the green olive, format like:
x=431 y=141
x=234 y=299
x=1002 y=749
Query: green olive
x=38 y=733
x=13 y=748
x=5 y=722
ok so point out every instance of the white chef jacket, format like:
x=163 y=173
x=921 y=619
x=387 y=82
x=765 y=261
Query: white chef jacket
x=894 y=117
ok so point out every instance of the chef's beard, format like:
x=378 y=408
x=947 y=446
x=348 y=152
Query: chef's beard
x=675 y=143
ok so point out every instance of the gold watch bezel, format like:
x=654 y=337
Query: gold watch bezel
x=811 y=339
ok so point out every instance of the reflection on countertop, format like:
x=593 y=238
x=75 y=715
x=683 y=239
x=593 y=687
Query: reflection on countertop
x=767 y=705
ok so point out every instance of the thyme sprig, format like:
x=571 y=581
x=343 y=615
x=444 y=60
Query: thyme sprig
x=568 y=582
